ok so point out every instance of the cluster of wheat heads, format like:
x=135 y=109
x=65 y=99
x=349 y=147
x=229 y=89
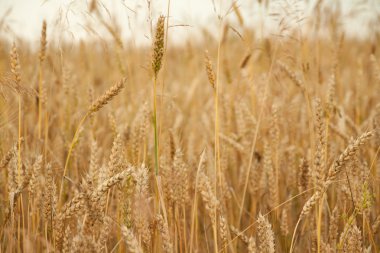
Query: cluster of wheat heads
x=274 y=148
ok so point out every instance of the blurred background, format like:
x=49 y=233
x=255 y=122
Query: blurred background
x=76 y=20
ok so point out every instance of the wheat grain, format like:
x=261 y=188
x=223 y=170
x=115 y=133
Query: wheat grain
x=265 y=235
x=107 y=97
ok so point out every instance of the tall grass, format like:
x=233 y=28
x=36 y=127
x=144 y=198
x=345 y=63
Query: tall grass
x=256 y=144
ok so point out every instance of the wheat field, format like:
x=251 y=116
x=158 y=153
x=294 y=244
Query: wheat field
x=232 y=143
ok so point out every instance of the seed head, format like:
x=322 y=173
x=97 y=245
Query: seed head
x=209 y=70
x=42 y=55
x=103 y=100
x=15 y=65
x=158 y=45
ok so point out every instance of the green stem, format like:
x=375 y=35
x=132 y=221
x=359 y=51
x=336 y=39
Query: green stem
x=19 y=139
x=40 y=102
x=155 y=124
x=70 y=151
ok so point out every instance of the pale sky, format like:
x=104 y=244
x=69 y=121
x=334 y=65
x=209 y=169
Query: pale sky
x=70 y=18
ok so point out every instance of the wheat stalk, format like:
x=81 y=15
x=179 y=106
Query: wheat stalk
x=158 y=53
